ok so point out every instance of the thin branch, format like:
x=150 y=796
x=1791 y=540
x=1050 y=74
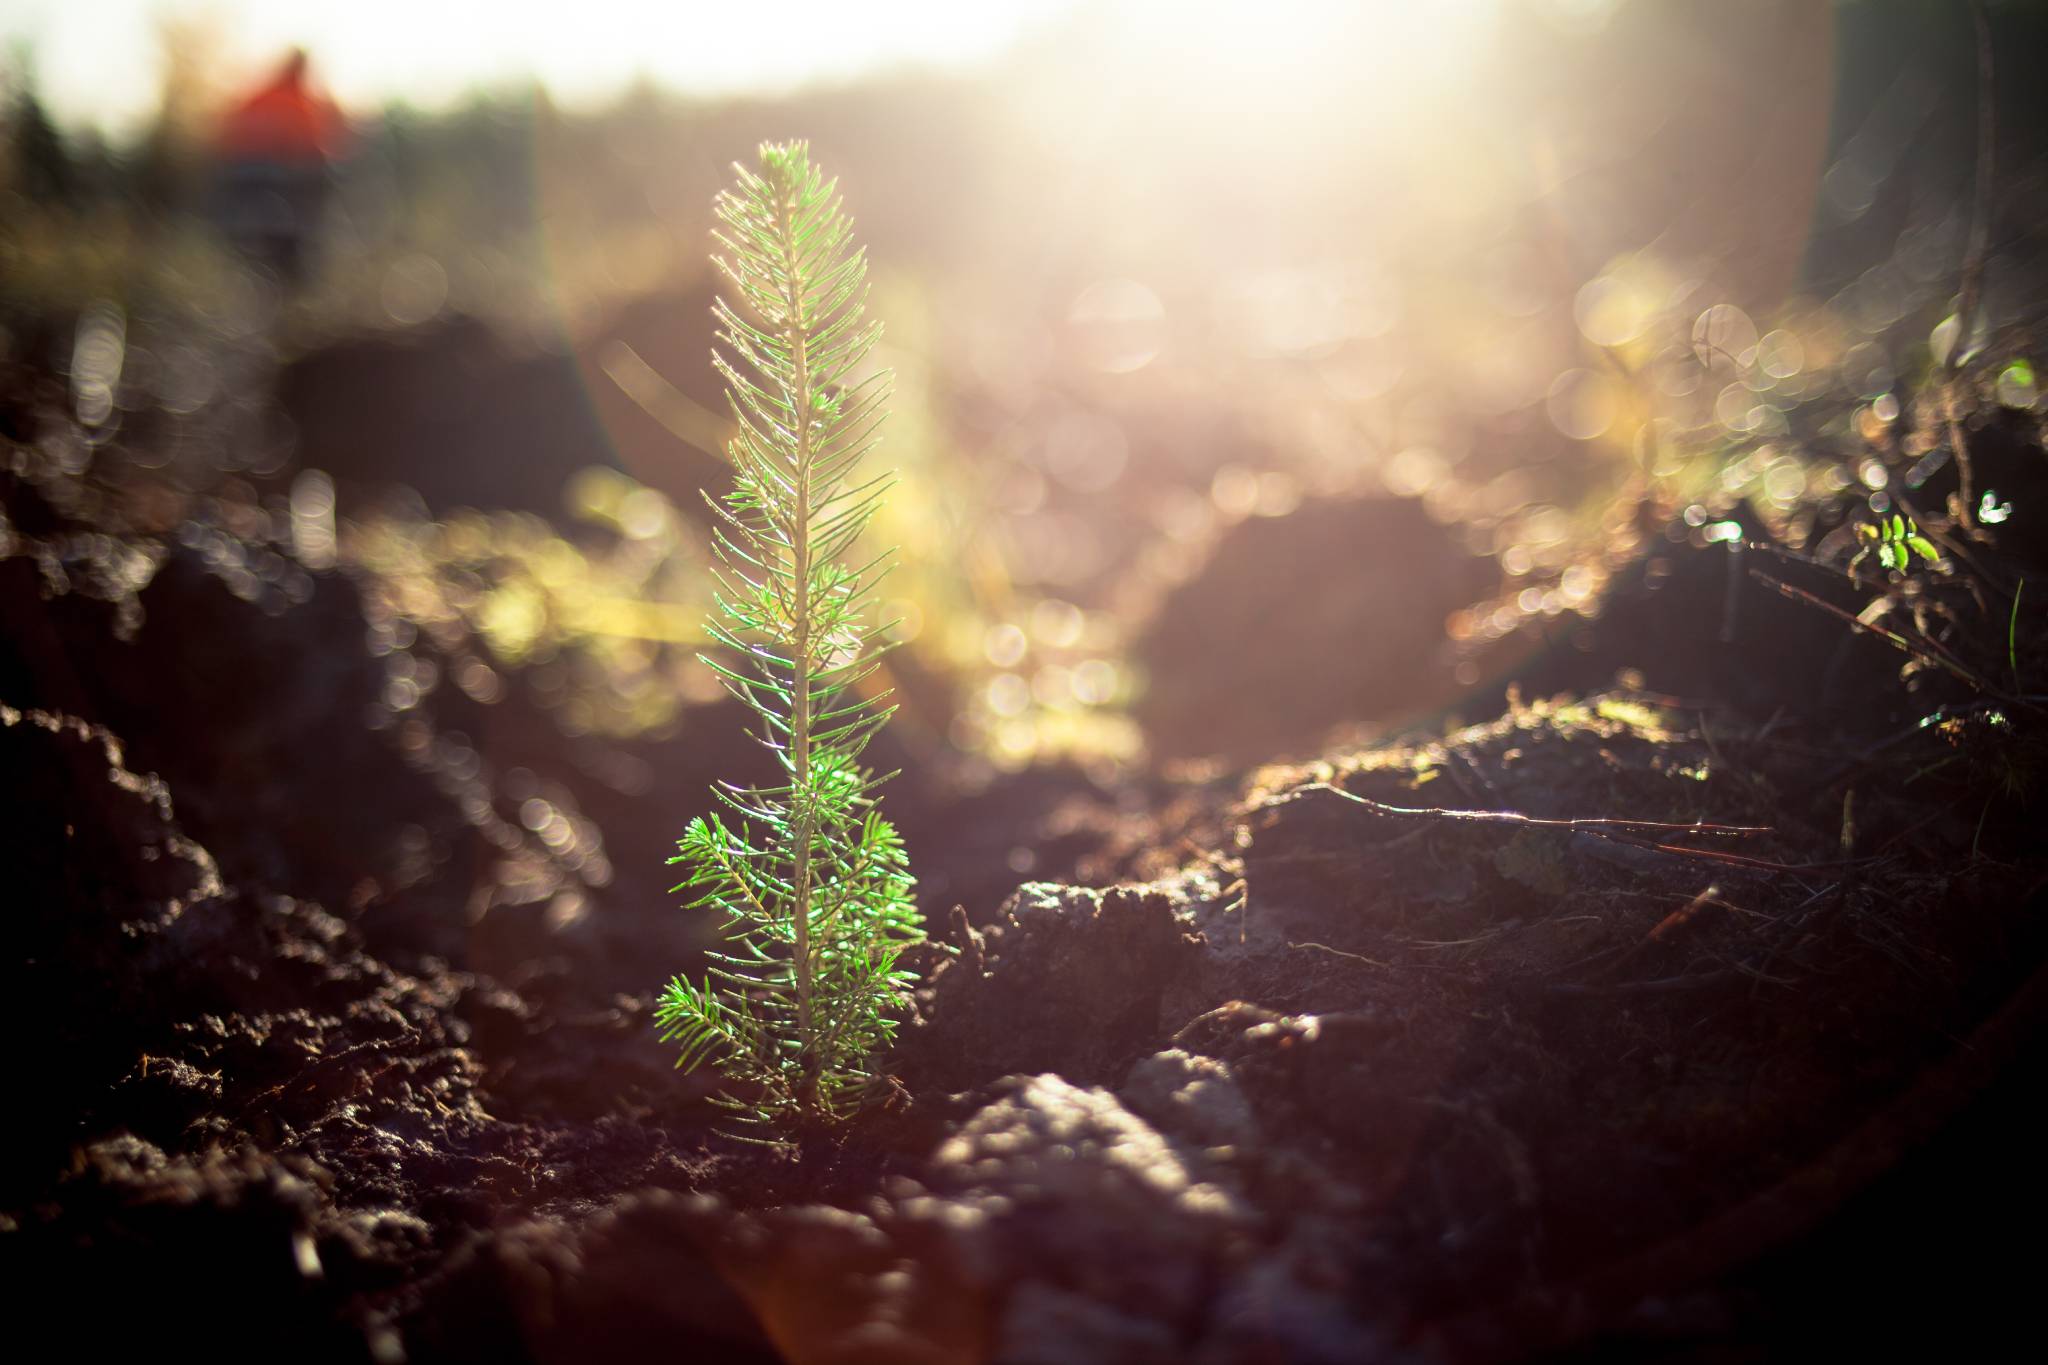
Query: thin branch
x=1506 y=817
x=1923 y=649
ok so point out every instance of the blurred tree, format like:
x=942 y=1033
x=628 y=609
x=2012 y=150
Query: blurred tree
x=38 y=166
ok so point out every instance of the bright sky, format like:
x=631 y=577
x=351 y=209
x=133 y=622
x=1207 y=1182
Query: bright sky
x=99 y=60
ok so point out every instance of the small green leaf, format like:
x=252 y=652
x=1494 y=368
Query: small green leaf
x=2016 y=386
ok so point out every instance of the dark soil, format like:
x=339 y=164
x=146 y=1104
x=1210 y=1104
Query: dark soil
x=320 y=1050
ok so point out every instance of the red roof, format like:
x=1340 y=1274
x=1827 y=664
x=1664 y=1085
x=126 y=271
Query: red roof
x=286 y=120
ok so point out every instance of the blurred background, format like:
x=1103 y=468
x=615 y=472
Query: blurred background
x=1265 y=373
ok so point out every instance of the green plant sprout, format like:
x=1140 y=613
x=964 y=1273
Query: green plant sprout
x=812 y=883
x=1896 y=541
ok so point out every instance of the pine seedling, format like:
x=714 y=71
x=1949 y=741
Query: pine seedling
x=812 y=884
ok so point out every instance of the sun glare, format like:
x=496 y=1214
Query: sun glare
x=1375 y=43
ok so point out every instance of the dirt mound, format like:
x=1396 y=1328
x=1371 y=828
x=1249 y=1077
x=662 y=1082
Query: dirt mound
x=1538 y=1034
x=1380 y=1074
x=256 y=1089
x=1296 y=625
x=467 y=416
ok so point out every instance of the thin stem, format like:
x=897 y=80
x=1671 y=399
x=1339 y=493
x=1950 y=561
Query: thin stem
x=2012 y=635
x=804 y=645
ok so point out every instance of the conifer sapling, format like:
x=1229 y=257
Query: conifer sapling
x=812 y=884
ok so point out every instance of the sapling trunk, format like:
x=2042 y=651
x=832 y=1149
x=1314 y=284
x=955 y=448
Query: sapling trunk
x=806 y=664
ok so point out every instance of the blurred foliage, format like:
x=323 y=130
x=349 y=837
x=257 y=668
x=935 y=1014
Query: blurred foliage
x=605 y=631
